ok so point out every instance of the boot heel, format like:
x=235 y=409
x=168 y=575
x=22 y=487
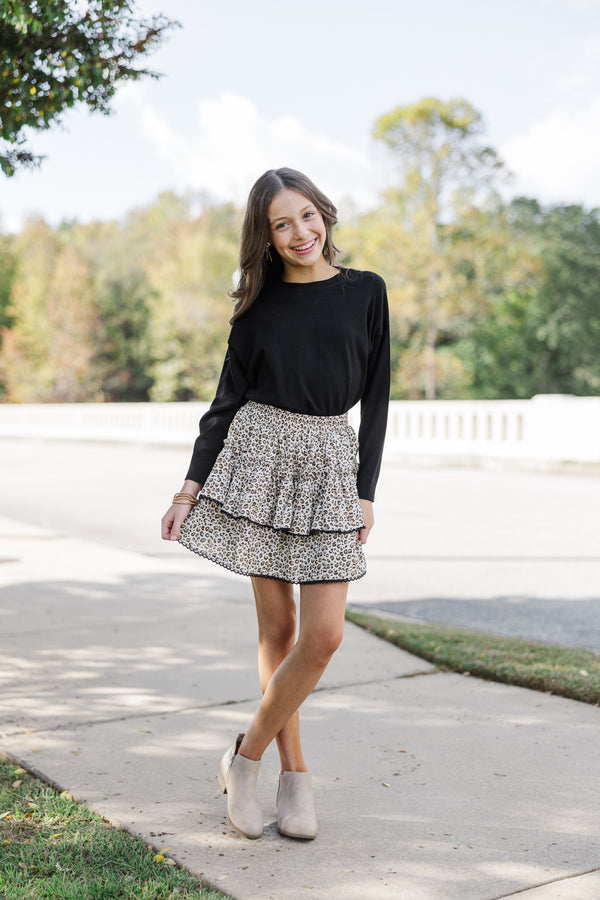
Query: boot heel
x=222 y=782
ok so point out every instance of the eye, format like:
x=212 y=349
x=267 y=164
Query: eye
x=309 y=214
x=280 y=225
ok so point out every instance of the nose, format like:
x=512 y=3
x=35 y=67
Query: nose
x=300 y=229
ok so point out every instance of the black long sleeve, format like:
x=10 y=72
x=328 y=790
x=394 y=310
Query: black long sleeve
x=214 y=424
x=317 y=349
x=373 y=418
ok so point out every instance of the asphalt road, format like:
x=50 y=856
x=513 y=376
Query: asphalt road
x=504 y=550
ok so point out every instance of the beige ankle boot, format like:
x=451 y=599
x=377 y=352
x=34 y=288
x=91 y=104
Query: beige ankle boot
x=237 y=778
x=295 y=806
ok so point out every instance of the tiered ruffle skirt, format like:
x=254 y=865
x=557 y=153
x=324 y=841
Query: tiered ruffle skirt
x=281 y=499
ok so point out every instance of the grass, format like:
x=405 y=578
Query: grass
x=565 y=671
x=53 y=847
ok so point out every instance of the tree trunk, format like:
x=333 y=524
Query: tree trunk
x=429 y=360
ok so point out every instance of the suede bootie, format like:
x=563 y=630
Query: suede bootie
x=237 y=778
x=295 y=806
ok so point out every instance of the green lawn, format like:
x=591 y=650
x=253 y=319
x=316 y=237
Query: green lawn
x=52 y=847
x=543 y=667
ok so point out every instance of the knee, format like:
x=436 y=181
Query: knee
x=279 y=634
x=321 y=647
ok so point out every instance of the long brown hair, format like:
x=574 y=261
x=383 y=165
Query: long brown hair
x=256 y=268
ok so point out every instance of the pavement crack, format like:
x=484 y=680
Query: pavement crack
x=157 y=713
x=363 y=683
x=160 y=713
x=533 y=887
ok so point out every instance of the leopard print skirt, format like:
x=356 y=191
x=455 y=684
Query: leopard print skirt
x=281 y=499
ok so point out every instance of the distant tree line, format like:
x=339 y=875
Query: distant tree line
x=112 y=311
x=488 y=298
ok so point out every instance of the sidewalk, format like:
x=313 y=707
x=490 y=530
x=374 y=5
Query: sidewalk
x=124 y=677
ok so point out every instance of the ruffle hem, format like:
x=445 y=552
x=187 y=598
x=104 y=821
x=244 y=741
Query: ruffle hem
x=281 y=500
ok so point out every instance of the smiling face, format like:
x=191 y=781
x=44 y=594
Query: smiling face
x=298 y=234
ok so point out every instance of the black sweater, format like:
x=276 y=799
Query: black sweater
x=315 y=348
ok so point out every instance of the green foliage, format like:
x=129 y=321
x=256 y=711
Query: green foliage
x=191 y=269
x=109 y=312
x=445 y=174
x=542 y=335
x=436 y=148
x=53 y=848
x=8 y=266
x=569 y=300
x=56 y=54
x=487 y=299
x=565 y=671
x=25 y=349
x=123 y=355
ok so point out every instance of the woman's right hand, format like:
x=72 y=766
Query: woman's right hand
x=172 y=520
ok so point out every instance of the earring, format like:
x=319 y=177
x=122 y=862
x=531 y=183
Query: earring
x=268 y=251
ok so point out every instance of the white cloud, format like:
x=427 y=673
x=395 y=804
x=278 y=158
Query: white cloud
x=557 y=158
x=585 y=5
x=580 y=85
x=591 y=46
x=233 y=144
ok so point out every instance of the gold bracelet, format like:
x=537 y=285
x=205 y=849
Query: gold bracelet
x=182 y=497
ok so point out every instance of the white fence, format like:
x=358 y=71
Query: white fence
x=548 y=427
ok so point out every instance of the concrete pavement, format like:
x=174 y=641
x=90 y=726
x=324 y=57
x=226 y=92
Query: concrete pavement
x=125 y=675
x=510 y=551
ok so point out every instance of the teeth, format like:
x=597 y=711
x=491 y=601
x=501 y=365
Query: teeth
x=305 y=246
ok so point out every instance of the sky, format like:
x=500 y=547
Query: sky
x=249 y=86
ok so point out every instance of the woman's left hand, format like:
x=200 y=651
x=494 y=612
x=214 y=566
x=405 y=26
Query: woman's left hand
x=363 y=533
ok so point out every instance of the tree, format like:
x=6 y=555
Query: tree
x=8 y=266
x=543 y=335
x=111 y=311
x=569 y=300
x=444 y=173
x=55 y=54
x=73 y=324
x=49 y=340
x=123 y=353
x=26 y=338
x=380 y=241
x=191 y=260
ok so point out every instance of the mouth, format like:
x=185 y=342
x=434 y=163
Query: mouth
x=302 y=249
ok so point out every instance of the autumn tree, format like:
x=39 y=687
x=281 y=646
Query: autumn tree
x=55 y=54
x=73 y=326
x=138 y=310
x=26 y=336
x=444 y=172
x=193 y=253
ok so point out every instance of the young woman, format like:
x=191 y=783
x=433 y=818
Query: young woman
x=274 y=489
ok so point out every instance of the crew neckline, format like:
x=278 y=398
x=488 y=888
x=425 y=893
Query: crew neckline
x=305 y=284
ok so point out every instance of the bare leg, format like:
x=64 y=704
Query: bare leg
x=321 y=630
x=276 y=613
